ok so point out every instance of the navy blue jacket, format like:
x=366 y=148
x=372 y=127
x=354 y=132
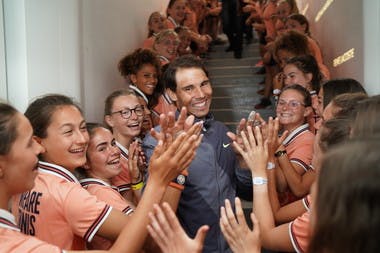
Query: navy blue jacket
x=213 y=176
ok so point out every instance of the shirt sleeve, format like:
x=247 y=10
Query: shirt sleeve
x=299 y=232
x=306 y=202
x=84 y=212
x=112 y=198
x=303 y=154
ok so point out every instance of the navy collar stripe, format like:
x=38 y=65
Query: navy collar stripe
x=92 y=181
x=51 y=169
x=7 y=223
x=297 y=132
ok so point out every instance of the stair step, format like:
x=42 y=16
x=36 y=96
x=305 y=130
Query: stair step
x=235 y=84
x=248 y=61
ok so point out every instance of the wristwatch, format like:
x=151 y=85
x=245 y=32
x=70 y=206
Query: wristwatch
x=280 y=153
x=259 y=180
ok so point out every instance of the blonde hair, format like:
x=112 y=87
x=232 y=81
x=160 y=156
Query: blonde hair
x=161 y=36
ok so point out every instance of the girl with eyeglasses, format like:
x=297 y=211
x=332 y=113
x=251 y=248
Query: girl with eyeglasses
x=124 y=115
x=295 y=153
x=48 y=201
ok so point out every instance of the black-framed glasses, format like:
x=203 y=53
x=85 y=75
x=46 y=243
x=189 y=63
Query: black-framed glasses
x=127 y=113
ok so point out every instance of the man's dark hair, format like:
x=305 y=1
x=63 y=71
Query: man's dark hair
x=183 y=62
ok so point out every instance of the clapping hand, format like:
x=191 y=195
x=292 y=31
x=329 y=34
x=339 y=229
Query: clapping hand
x=236 y=231
x=170 y=236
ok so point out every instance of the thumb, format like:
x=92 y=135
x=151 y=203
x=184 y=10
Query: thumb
x=201 y=235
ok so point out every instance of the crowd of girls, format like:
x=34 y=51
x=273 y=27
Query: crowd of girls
x=39 y=155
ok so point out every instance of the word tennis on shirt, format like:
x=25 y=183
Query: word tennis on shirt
x=28 y=209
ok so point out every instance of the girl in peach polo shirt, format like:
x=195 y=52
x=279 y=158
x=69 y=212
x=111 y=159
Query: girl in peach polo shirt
x=18 y=168
x=284 y=9
x=124 y=114
x=166 y=46
x=294 y=155
x=103 y=163
x=142 y=70
x=156 y=23
x=300 y=23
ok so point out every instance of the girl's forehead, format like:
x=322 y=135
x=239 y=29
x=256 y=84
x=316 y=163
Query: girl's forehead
x=290 y=66
x=291 y=93
x=65 y=111
x=125 y=100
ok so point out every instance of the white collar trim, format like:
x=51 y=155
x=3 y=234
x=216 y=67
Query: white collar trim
x=298 y=131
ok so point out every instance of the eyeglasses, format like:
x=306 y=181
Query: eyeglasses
x=127 y=113
x=171 y=42
x=291 y=104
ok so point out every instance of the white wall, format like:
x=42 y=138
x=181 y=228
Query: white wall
x=16 y=54
x=3 y=73
x=111 y=30
x=71 y=47
x=371 y=14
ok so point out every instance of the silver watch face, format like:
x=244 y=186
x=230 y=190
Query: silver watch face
x=181 y=179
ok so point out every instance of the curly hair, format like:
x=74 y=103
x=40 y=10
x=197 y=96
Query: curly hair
x=293 y=42
x=133 y=62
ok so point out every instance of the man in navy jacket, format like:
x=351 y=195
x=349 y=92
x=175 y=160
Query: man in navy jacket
x=214 y=173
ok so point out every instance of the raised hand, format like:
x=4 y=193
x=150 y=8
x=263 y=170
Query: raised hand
x=254 y=119
x=171 y=127
x=133 y=160
x=170 y=156
x=236 y=231
x=170 y=236
x=273 y=139
x=255 y=152
x=278 y=81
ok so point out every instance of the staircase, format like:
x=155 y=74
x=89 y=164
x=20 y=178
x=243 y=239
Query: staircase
x=235 y=84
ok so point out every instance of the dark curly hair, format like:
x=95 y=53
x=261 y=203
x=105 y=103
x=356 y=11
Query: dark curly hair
x=133 y=62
